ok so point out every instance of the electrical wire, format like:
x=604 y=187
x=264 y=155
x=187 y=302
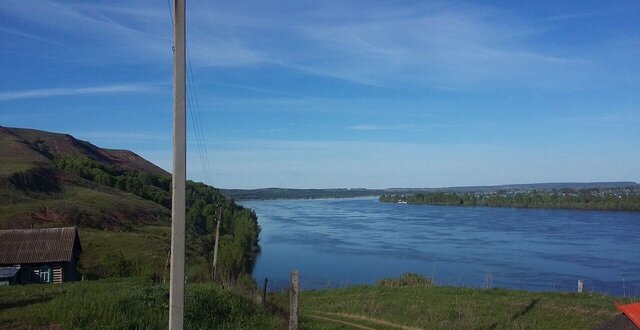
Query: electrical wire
x=193 y=108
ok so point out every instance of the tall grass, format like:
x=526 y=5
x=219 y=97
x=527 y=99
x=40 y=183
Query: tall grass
x=127 y=304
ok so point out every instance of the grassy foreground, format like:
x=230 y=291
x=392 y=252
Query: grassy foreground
x=426 y=307
x=126 y=304
x=137 y=304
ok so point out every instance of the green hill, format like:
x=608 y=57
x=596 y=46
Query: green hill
x=121 y=202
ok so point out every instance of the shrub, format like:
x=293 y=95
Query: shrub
x=407 y=279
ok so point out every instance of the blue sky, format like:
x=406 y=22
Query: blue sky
x=321 y=94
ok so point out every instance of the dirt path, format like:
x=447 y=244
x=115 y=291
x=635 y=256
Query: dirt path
x=357 y=326
x=354 y=317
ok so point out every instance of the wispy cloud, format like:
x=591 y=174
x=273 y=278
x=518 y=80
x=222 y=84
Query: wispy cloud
x=52 y=92
x=254 y=89
x=612 y=10
x=126 y=33
x=441 y=46
x=4 y=30
x=437 y=44
x=132 y=32
x=126 y=136
x=369 y=127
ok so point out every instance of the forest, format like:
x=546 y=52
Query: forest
x=239 y=228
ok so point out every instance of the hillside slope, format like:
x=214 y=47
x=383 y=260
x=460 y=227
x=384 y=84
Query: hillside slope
x=121 y=203
x=17 y=155
x=50 y=145
x=34 y=191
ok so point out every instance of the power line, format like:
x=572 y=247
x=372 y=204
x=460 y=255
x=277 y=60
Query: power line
x=191 y=76
x=197 y=122
x=170 y=12
x=197 y=133
x=194 y=110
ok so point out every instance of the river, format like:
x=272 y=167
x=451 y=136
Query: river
x=341 y=242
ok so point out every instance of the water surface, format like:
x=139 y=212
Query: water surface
x=340 y=242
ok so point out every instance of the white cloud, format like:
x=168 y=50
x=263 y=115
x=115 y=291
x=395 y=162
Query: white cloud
x=439 y=45
x=129 y=32
x=114 y=137
x=52 y=92
x=369 y=127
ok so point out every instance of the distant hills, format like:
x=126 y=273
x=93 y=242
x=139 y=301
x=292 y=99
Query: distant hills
x=287 y=193
x=121 y=202
x=25 y=148
x=34 y=191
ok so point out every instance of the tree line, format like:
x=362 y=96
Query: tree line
x=619 y=199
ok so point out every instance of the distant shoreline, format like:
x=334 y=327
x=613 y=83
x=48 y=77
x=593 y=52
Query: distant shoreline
x=303 y=198
x=295 y=193
x=618 y=199
x=520 y=207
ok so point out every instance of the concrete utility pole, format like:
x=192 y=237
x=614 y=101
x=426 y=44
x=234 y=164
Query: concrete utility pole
x=178 y=203
x=215 y=246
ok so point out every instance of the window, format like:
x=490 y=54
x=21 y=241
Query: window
x=45 y=274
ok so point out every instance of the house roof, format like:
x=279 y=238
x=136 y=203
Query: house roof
x=19 y=246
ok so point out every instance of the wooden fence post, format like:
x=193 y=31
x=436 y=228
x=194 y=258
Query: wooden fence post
x=293 y=302
x=215 y=247
x=580 y=286
x=264 y=292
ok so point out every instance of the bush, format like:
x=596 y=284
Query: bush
x=407 y=279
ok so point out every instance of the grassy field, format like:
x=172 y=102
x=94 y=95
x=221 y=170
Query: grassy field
x=134 y=253
x=141 y=251
x=127 y=304
x=134 y=303
x=425 y=307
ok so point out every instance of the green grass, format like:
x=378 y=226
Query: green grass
x=133 y=303
x=122 y=234
x=141 y=251
x=16 y=156
x=127 y=304
x=14 y=165
x=108 y=253
x=98 y=207
x=426 y=307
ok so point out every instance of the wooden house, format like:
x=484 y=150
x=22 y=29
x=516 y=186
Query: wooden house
x=47 y=255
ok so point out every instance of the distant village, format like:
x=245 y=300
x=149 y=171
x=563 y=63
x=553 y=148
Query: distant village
x=598 y=192
x=615 y=199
